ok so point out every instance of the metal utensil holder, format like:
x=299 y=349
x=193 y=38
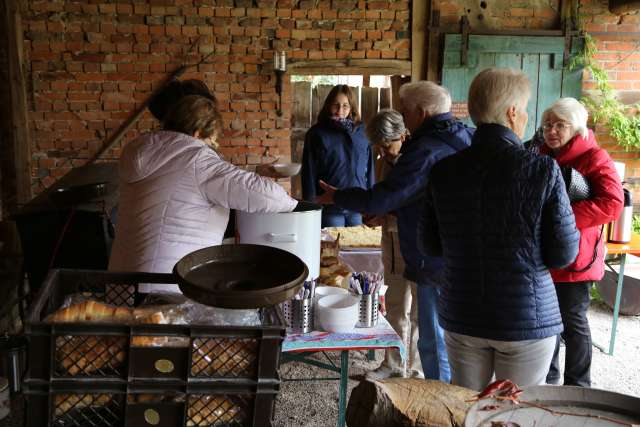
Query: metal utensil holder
x=368 y=316
x=298 y=314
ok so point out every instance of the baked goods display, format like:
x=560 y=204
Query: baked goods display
x=86 y=354
x=332 y=271
x=359 y=236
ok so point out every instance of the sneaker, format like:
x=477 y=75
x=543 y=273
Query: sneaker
x=382 y=373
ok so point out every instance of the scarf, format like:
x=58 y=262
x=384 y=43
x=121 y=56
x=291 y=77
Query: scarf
x=344 y=123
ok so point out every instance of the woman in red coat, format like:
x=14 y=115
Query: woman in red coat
x=567 y=139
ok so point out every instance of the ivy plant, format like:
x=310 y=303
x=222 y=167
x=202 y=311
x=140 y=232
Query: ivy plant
x=622 y=121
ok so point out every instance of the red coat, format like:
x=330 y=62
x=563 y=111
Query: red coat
x=604 y=205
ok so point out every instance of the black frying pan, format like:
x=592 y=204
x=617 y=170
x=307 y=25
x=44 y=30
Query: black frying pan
x=240 y=276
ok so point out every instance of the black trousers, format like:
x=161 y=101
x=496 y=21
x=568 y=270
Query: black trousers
x=574 y=301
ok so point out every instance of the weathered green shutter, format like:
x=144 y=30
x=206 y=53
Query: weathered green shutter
x=539 y=57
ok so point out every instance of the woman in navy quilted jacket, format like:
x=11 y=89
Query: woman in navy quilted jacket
x=500 y=217
x=567 y=139
x=336 y=151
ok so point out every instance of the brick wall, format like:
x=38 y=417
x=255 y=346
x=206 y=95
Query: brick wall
x=92 y=63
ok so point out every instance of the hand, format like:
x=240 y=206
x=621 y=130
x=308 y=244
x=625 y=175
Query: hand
x=266 y=170
x=327 y=197
x=373 y=220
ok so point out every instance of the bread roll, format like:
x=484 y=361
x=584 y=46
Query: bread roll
x=86 y=354
x=222 y=356
x=156 y=318
x=212 y=410
x=65 y=402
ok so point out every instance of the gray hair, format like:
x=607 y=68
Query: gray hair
x=493 y=91
x=386 y=126
x=430 y=97
x=572 y=111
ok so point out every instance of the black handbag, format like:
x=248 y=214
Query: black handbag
x=577 y=185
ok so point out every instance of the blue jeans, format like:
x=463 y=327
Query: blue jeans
x=431 y=346
x=341 y=219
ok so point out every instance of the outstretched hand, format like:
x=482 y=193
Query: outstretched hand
x=327 y=197
x=267 y=170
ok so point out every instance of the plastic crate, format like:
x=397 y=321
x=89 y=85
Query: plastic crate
x=108 y=408
x=239 y=362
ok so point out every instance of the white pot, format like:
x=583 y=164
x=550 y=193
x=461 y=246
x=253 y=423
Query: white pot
x=297 y=232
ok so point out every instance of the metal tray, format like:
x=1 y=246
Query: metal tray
x=594 y=406
x=240 y=276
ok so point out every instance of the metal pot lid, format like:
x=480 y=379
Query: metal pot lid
x=240 y=276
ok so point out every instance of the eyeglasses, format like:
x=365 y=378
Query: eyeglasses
x=341 y=106
x=558 y=126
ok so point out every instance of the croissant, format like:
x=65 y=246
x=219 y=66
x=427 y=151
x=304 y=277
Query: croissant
x=92 y=311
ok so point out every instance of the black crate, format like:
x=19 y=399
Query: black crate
x=111 y=408
x=209 y=356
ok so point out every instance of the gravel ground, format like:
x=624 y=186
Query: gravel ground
x=310 y=404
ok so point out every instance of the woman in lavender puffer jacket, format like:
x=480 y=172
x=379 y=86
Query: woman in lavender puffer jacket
x=176 y=192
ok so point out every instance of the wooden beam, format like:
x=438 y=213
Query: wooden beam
x=21 y=139
x=433 y=44
x=418 y=40
x=351 y=66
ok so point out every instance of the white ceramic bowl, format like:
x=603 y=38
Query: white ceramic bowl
x=323 y=291
x=338 y=313
x=287 y=169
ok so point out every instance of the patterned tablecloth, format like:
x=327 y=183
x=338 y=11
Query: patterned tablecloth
x=380 y=336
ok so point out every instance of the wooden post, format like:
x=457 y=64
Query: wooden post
x=433 y=45
x=20 y=137
x=418 y=35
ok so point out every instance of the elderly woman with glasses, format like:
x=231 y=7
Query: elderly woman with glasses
x=387 y=133
x=337 y=152
x=571 y=144
x=500 y=217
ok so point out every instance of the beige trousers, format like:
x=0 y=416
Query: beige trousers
x=401 y=301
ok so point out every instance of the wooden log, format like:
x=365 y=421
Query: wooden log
x=408 y=402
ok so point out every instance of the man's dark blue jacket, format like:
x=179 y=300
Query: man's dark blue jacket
x=403 y=189
x=336 y=156
x=500 y=217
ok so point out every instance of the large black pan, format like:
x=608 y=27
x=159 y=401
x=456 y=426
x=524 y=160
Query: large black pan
x=240 y=276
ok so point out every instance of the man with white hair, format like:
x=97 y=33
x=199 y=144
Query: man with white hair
x=435 y=134
x=500 y=217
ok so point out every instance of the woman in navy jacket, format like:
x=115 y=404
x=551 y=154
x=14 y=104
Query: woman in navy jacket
x=500 y=217
x=337 y=152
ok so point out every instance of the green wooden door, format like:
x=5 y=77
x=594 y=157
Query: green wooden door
x=539 y=57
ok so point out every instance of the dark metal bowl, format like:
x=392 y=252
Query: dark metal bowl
x=240 y=276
